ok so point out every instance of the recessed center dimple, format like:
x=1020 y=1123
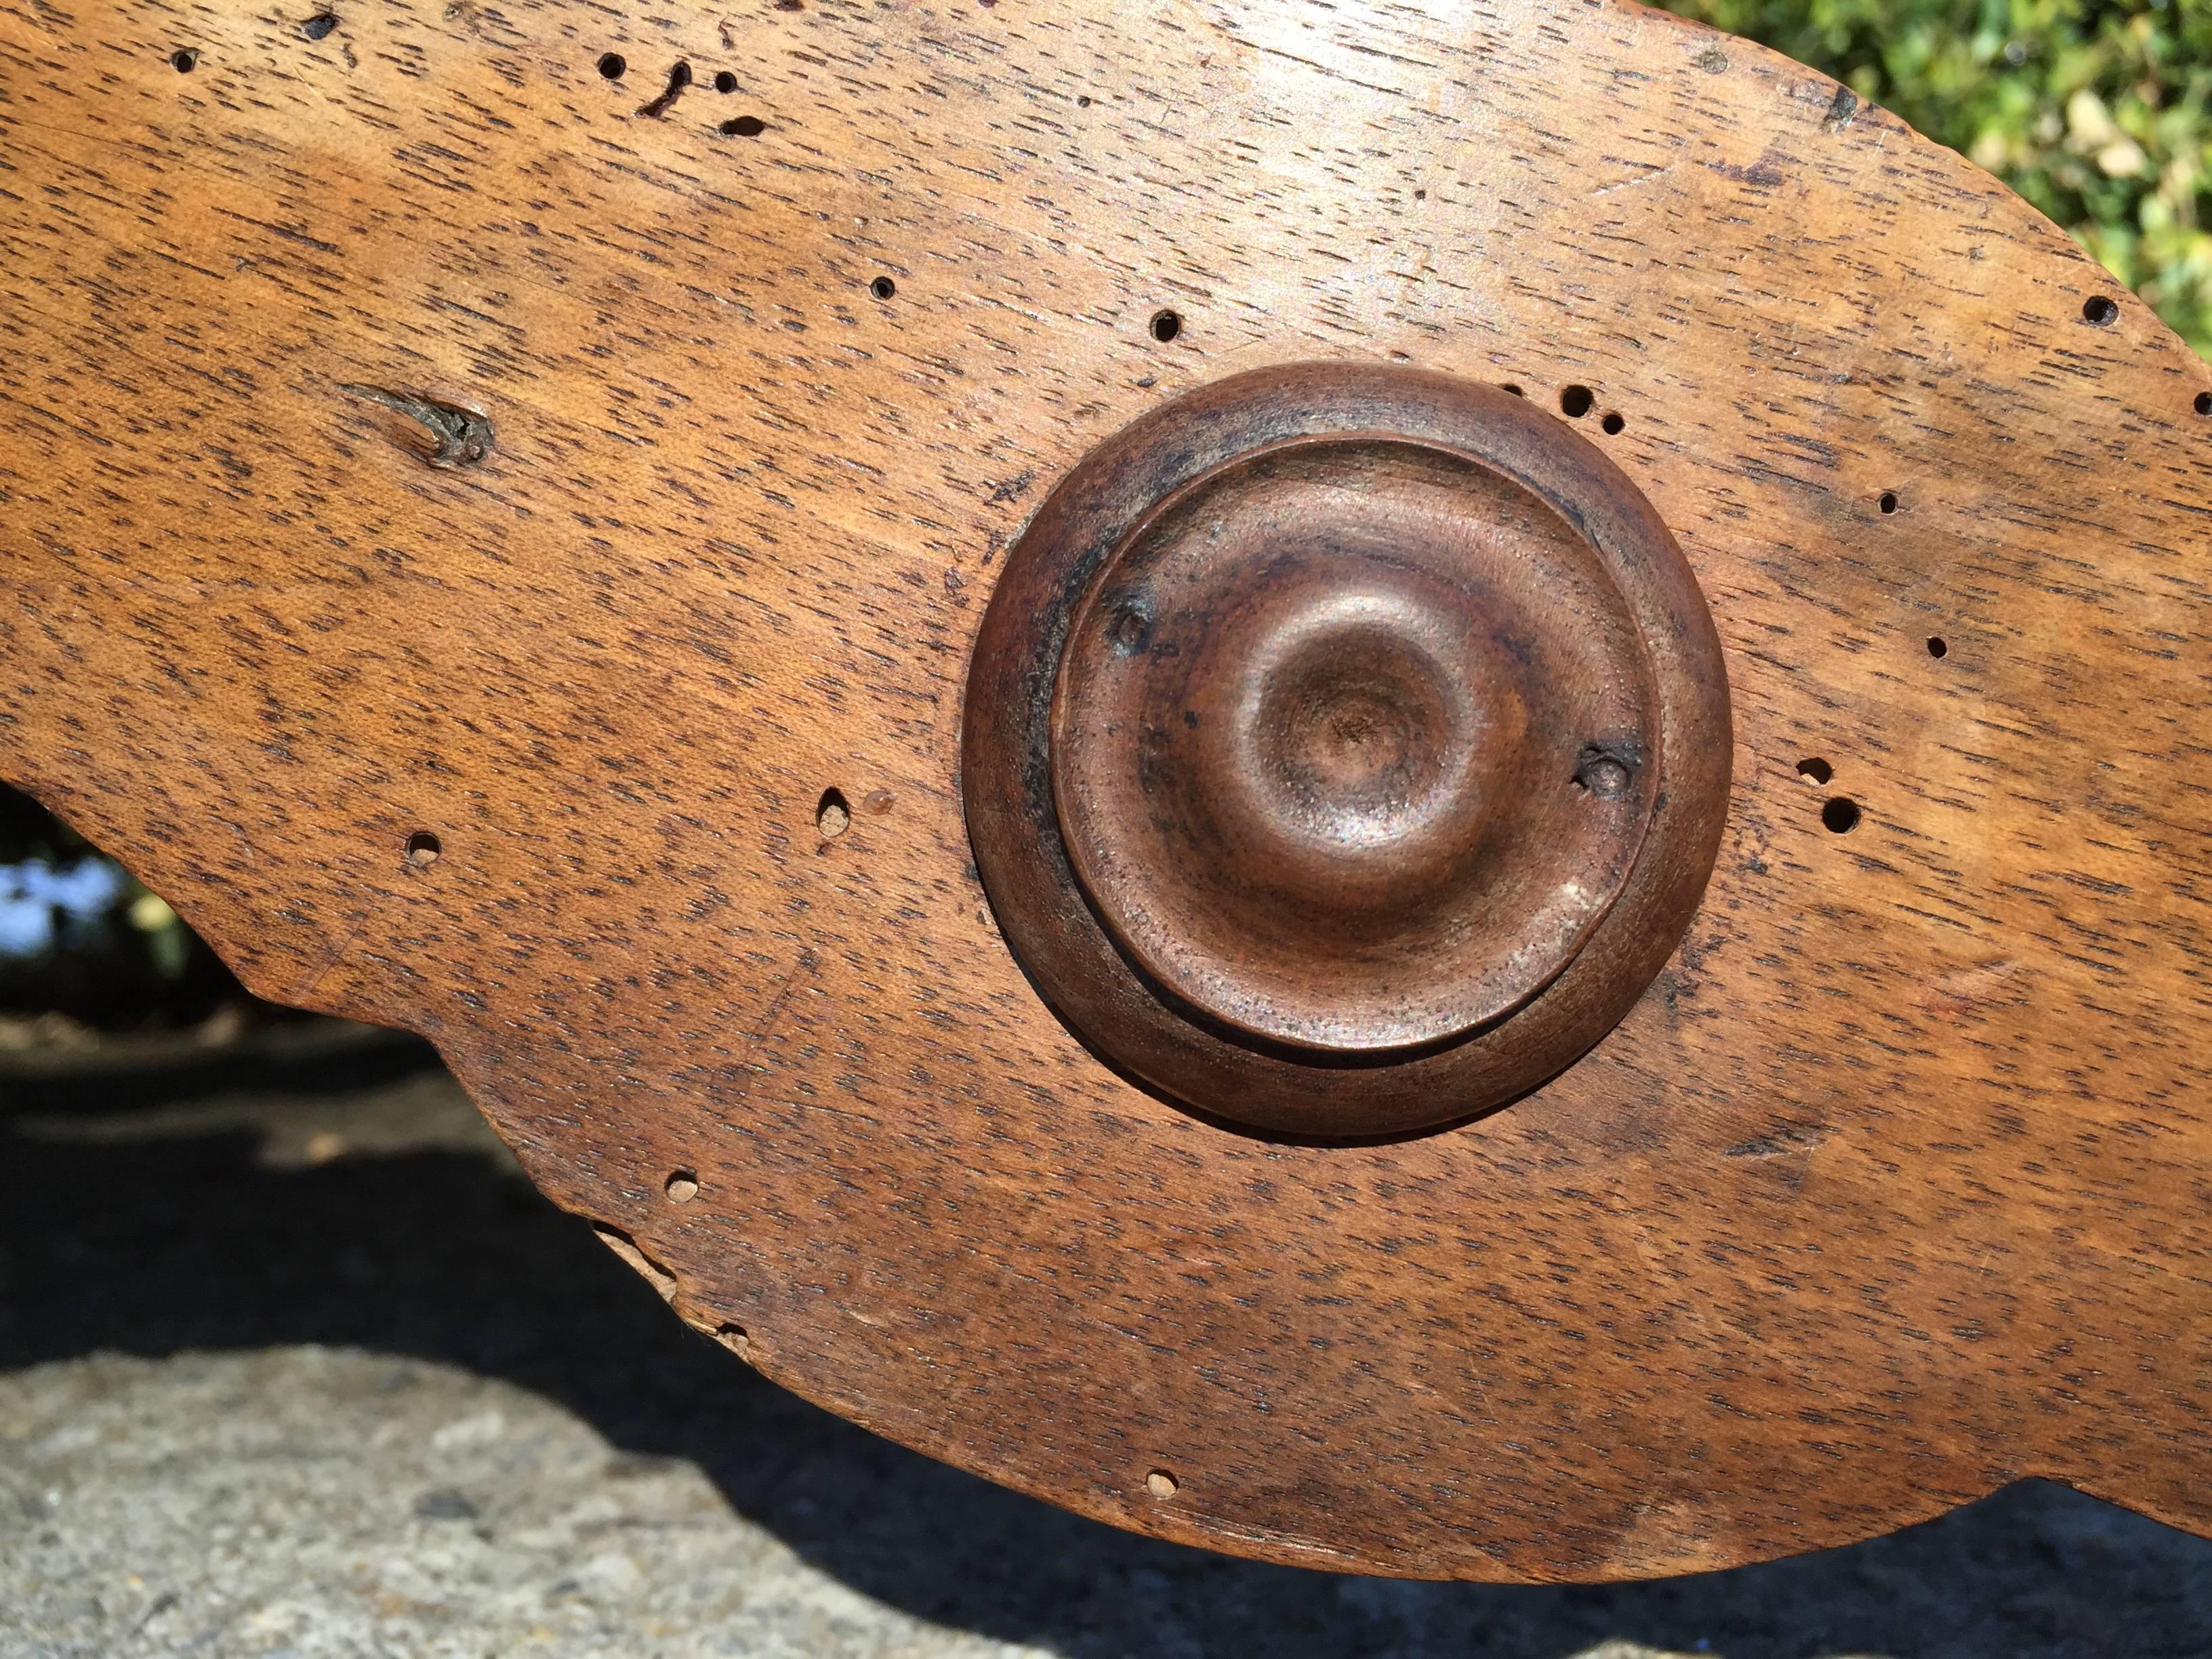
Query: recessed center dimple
x=1355 y=728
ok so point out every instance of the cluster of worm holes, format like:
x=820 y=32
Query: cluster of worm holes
x=681 y=1187
x=1578 y=401
x=185 y=60
x=1840 y=814
x=612 y=66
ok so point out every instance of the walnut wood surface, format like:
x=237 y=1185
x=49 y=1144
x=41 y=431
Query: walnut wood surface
x=667 y=523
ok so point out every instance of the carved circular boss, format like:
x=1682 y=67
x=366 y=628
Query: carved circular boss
x=1346 y=748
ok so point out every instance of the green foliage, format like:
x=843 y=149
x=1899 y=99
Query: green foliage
x=2095 y=113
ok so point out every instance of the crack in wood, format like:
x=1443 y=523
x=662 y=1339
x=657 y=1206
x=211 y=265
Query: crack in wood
x=459 y=437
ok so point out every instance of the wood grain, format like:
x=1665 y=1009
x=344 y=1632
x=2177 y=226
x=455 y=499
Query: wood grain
x=1892 y=1189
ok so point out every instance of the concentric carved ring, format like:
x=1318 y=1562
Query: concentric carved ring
x=1346 y=748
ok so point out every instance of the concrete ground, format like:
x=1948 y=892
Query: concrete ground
x=293 y=1363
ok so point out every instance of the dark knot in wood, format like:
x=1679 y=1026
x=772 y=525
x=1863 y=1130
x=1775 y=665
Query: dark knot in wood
x=451 y=436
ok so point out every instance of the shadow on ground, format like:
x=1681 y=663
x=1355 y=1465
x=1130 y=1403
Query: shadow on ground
x=142 y=1211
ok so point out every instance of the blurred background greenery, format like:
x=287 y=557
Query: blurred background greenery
x=2096 y=113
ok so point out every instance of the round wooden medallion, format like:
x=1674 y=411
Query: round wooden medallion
x=1346 y=748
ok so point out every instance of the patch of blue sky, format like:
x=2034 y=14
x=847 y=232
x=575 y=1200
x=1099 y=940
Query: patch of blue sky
x=38 y=900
